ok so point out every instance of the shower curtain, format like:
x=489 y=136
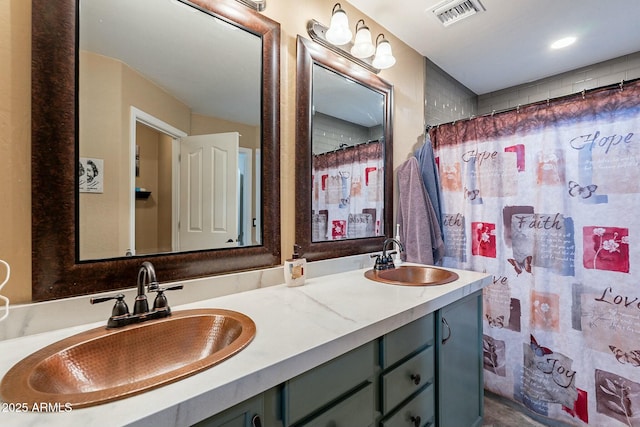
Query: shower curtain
x=347 y=200
x=546 y=199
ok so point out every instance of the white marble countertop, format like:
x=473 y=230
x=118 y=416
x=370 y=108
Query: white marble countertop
x=297 y=329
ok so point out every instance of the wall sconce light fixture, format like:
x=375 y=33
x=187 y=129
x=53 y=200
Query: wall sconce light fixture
x=362 y=45
x=338 y=39
x=339 y=32
x=384 y=57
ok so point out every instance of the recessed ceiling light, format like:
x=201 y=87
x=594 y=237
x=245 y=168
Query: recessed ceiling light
x=559 y=44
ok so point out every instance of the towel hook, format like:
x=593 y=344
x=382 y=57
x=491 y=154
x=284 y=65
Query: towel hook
x=3 y=298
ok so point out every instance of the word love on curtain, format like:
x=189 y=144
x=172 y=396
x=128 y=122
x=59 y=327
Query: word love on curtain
x=347 y=200
x=546 y=198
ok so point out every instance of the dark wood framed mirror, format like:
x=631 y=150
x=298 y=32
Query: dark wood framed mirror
x=313 y=59
x=57 y=270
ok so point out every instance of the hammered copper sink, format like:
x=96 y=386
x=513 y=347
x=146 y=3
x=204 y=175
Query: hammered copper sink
x=102 y=365
x=413 y=275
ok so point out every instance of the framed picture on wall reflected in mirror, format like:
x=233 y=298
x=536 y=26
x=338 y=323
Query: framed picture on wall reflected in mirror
x=91 y=175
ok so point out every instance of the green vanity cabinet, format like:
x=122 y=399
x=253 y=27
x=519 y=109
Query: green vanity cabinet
x=425 y=373
x=459 y=363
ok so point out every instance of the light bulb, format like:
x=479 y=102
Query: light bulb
x=339 y=32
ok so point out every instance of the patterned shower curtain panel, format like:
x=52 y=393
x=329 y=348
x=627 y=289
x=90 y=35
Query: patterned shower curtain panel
x=347 y=200
x=546 y=198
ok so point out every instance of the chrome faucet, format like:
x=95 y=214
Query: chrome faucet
x=385 y=261
x=146 y=277
x=147 y=282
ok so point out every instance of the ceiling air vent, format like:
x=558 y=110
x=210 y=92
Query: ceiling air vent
x=452 y=11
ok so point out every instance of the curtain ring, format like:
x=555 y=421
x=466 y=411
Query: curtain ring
x=584 y=91
x=621 y=85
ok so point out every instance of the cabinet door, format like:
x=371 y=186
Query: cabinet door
x=459 y=363
x=319 y=387
x=355 y=411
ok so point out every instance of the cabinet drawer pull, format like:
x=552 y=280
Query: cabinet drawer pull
x=444 y=340
x=416 y=421
x=415 y=378
x=255 y=421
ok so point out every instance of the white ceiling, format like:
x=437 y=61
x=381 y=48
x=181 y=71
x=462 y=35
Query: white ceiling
x=206 y=63
x=508 y=44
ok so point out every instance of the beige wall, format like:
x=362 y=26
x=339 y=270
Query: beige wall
x=104 y=230
x=15 y=32
x=15 y=146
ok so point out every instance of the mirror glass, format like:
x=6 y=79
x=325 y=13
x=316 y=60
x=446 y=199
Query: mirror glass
x=100 y=113
x=347 y=144
x=343 y=155
x=169 y=130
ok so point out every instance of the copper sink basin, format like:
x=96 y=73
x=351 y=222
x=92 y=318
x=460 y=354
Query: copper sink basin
x=413 y=275
x=102 y=365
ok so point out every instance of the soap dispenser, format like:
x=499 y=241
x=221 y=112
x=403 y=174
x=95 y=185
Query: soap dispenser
x=397 y=257
x=294 y=268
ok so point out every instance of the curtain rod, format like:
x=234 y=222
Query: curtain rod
x=584 y=92
x=345 y=146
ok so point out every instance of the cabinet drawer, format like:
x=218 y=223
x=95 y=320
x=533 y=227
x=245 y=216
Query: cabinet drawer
x=313 y=389
x=355 y=411
x=422 y=405
x=407 y=378
x=406 y=339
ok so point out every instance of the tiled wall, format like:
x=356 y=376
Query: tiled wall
x=329 y=133
x=602 y=74
x=447 y=100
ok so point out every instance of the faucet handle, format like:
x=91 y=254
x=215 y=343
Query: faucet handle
x=381 y=261
x=161 y=302
x=170 y=288
x=120 y=308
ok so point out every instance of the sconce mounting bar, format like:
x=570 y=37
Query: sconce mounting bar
x=258 y=5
